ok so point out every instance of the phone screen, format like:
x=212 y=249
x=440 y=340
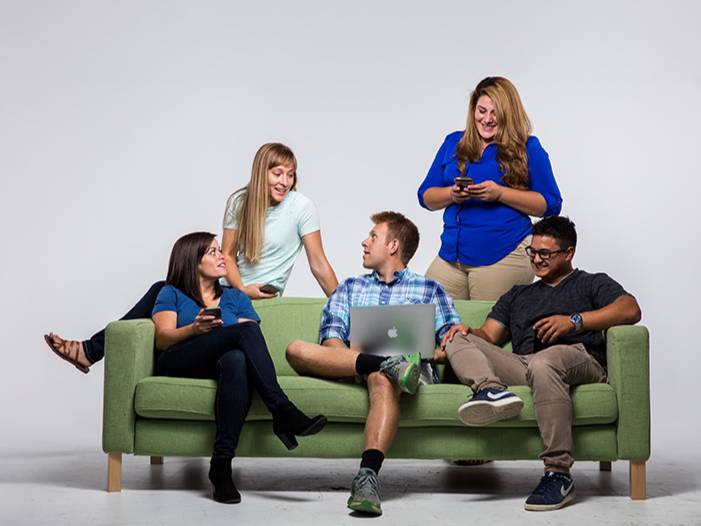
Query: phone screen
x=463 y=182
x=213 y=311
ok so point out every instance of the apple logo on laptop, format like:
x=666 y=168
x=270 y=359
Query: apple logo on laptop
x=392 y=333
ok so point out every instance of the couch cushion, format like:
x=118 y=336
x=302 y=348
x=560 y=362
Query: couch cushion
x=434 y=405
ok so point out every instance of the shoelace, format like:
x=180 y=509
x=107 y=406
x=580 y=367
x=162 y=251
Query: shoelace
x=368 y=482
x=540 y=489
x=391 y=363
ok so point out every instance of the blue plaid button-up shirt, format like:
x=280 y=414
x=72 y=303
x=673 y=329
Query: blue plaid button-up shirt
x=369 y=291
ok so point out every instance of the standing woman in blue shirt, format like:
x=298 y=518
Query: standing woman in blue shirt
x=228 y=348
x=266 y=224
x=486 y=223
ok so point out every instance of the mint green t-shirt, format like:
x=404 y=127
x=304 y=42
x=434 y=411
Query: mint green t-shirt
x=285 y=225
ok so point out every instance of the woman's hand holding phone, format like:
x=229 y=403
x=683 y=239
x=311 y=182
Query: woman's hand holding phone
x=486 y=191
x=460 y=191
x=205 y=322
x=256 y=291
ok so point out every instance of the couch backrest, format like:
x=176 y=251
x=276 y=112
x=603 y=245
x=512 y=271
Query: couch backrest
x=287 y=319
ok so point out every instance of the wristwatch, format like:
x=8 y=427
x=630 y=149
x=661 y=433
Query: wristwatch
x=577 y=321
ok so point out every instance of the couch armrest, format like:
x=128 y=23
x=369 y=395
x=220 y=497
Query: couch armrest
x=128 y=359
x=628 y=355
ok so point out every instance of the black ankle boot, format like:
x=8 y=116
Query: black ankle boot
x=220 y=476
x=289 y=421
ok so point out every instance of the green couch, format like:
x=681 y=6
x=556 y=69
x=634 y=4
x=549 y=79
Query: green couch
x=158 y=416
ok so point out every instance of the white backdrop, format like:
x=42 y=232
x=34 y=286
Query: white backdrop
x=124 y=125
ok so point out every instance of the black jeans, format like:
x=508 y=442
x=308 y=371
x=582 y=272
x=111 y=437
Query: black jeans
x=95 y=347
x=238 y=358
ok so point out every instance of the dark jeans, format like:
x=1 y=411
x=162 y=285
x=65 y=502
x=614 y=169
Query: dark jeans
x=95 y=347
x=238 y=358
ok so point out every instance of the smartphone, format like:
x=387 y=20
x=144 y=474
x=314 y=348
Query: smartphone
x=213 y=311
x=269 y=289
x=463 y=182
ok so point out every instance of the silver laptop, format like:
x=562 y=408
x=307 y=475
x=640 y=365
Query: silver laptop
x=393 y=329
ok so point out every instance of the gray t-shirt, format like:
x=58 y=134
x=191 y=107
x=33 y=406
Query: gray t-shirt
x=524 y=305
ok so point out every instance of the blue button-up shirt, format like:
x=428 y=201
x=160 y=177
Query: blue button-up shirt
x=478 y=232
x=370 y=291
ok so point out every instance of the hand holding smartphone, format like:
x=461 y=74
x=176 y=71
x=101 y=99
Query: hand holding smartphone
x=269 y=289
x=212 y=311
x=463 y=182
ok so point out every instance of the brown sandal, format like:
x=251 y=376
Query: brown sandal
x=67 y=350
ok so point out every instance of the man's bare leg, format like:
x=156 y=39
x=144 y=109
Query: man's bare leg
x=383 y=415
x=380 y=428
x=325 y=361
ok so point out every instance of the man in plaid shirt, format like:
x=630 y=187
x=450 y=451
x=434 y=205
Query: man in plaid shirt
x=390 y=245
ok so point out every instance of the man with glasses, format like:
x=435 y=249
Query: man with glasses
x=555 y=325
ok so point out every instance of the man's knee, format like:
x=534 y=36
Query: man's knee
x=461 y=342
x=379 y=386
x=543 y=365
x=296 y=352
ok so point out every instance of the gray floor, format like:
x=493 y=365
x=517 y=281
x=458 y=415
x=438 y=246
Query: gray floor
x=67 y=487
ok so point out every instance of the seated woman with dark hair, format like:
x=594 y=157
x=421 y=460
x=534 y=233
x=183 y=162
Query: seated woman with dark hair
x=266 y=224
x=227 y=346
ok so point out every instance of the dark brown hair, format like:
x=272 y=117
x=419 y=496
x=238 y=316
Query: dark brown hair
x=399 y=227
x=184 y=258
x=559 y=228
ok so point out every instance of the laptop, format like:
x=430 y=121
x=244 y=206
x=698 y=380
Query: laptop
x=387 y=330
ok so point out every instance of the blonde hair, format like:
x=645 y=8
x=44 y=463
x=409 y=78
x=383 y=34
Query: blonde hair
x=513 y=130
x=255 y=199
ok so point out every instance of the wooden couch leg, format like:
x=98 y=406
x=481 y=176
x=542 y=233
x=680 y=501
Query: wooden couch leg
x=114 y=472
x=604 y=465
x=637 y=480
x=156 y=461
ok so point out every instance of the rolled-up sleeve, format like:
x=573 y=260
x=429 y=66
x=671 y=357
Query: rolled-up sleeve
x=335 y=317
x=542 y=179
x=435 y=174
x=446 y=315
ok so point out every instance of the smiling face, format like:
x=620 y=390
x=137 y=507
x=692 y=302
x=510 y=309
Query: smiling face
x=486 y=119
x=212 y=265
x=376 y=250
x=557 y=264
x=281 y=179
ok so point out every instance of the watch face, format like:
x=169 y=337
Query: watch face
x=577 y=320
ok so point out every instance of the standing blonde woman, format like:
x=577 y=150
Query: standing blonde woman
x=488 y=179
x=266 y=223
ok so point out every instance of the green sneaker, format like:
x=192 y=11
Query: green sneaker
x=403 y=369
x=365 y=493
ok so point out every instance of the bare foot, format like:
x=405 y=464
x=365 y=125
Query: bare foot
x=70 y=350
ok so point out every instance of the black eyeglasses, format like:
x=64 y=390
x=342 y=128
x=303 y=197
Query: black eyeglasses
x=543 y=253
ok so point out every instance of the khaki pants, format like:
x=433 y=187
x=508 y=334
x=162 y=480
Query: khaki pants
x=549 y=373
x=463 y=282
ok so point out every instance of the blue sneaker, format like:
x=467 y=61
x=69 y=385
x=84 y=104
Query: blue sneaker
x=552 y=493
x=489 y=405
